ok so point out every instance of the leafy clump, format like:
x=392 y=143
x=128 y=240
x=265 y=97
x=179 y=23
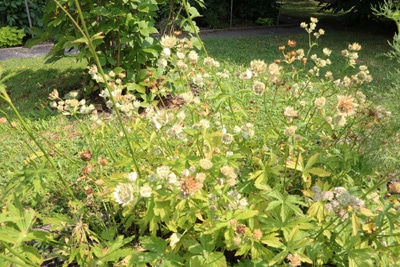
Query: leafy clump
x=195 y=164
x=11 y=36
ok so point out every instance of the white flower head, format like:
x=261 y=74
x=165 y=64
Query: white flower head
x=123 y=194
x=132 y=176
x=145 y=191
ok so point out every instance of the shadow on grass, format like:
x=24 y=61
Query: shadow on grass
x=29 y=89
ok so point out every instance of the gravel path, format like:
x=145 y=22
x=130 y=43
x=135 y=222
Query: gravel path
x=291 y=26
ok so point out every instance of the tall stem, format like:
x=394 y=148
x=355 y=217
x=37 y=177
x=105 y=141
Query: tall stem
x=85 y=33
x=37 y=143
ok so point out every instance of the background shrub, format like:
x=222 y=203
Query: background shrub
x=11 y=36
x=217 y=13
x=13 y=13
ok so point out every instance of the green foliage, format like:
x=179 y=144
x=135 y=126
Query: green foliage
x=355 y=9
x=217 y=13
x=120 y=31
x=11 y=36
x=253 y=166
x=13 y=13
x=391 y=10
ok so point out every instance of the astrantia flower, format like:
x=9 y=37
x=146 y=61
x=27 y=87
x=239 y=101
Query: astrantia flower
x=290 y=113
x=145 y=191
x=162 y=63
x=289 y=131
x=193 y=56
x=355 y=47
x=246 y=75
x=54 y=95
x=258 y=88
x=132 y=176
x=168 y=41
x=294 y=260
x=189 y=186
x=166 y=52
x=247 y=130
x=346 y=105
x=258 y=67
x=320 y=102
x=227 y=138
x=123 y=194
x=206 y=164
x=327 y=51
x=257 y=234
x=274 y=71
x=163 y=171
x=228 y=171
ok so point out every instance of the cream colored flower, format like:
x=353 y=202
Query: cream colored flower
x=145 y=191
x=246 y=75
x=355 y=47
x=168 y=41
x=327 y=51
x=123 y=194
x=54 y=95
x=320 y=102
x=258 y=67
x=290 y=131
x=132 y=176
x=258 y=88
x=294 y=260
x=206 y=164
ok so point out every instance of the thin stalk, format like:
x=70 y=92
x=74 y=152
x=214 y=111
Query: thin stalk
x=185 y=4
x=38 y=144
x=16 y=255
x=85 y=33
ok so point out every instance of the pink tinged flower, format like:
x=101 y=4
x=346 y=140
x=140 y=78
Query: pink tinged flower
x=346 y=105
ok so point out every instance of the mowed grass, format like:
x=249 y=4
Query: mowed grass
x=34 y=80
x=240 y=51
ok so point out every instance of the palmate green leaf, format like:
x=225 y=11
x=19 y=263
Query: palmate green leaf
x=258 y=251
x=113 y=251
x=317 y=210
x=361 y=257
x=153 y=244
x=319 y=172
x=213 y=259
x=245 y=214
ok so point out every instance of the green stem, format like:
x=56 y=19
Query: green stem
x=16 y=255
x=39 y=145
x=85 y=33
x=185 y=4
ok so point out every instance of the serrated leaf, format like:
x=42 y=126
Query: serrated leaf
x=317 y=210
x=154 y=244
x=319 y=172
x=245 y=214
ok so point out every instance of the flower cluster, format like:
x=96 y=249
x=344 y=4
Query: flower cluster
x=71 y=105
x=129 y=191
x=339 y=200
